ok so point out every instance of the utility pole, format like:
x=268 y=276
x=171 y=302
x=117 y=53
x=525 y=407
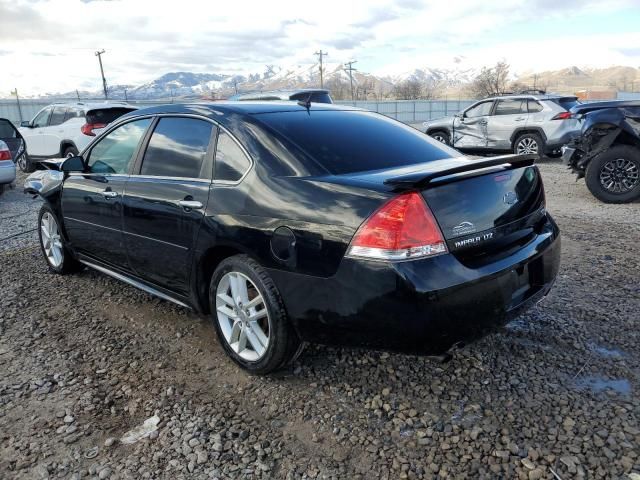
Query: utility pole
x=320 y=55
x=15 y=92
x=78 y=94
x=104 y=80
x=125 y=95
x=235 y=85
x=350 y=69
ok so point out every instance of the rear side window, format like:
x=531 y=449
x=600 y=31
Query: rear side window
x=534 y=107
x=355 y=141
x=566 y=102
x=114 y=152
x=479 y=110
x=106 y=115
x=178 y=148
x=72 y=113
x=231 y=161
x=511 y=106
x=57 y=116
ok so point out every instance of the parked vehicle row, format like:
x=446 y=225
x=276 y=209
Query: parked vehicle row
x=279 y=220
x=523 y=124
x=63 y=130
x=607 y=152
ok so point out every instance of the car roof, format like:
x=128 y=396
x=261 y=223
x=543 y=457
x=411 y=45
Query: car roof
x=532 y=96
x=216 y=109
x=94 y=105
x=283 y=94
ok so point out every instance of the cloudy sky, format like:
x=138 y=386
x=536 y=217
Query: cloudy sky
x=49 y=45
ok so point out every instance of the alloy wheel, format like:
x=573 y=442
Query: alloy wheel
x=243 y=317
x=51 y=241
x=439 y=137
x=619 y=176
x=22 y=163
x=527 y=146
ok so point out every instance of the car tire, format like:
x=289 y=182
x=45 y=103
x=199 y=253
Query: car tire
x=70 y=152
x=24 y=164
x=441 y=136
x=529 y=144
x=241 y=337
x=53 y=245
x=614 y=175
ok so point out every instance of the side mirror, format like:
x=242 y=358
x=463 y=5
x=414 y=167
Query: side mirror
x=73 y=164
x=25 y=123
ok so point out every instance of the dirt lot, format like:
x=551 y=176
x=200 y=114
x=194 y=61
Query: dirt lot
x=84 y=359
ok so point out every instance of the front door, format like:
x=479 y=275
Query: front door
x=508 y=115
x=470 y=129
x=10 y=135
x=33 y=134
x=165 y=200
x=92 y=201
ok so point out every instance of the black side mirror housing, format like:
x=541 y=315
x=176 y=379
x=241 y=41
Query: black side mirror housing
x=73 y=164
x=25 y=123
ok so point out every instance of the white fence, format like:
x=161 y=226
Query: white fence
x=407 y=111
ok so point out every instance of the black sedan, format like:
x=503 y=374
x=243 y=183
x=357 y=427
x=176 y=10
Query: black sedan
x=303 y=222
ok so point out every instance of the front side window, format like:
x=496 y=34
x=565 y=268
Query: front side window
x=114 y=152
x=178 y=148
x=231 y=161
x=42 y=119
x=7 y=130
x=511 y=106
x=479 y=110
x=57 y=117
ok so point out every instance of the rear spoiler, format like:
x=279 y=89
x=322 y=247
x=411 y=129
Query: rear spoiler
x=422 y=179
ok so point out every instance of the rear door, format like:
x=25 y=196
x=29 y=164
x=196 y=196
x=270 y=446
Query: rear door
x=470 y=129
x=507 y=116
x=165 y=200
x=92 y=201
x=10 y=135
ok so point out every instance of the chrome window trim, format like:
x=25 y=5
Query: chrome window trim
x=79 y=174
x=160 y=177
x=231 y=183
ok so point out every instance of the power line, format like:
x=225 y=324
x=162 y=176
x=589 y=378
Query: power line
x=104 y=80
x=350 y=70
x=320 y=55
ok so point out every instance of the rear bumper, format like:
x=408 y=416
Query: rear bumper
x=7 y=172
x=556 y=143
x=423 y=306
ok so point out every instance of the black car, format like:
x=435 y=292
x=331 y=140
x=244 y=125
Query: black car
x=295 y=223
x=607 y=152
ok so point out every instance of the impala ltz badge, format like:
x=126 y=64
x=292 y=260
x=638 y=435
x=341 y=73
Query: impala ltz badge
x=510 y=198
x=463 y=228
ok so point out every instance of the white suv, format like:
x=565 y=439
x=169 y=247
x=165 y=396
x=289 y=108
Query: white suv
x=64 y=129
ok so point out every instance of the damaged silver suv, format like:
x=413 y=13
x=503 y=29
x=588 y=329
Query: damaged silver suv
x=524 y=124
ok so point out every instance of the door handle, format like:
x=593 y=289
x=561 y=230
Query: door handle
x=483 y=122
x=519 y=119
x=109 y=194
x=190 y=204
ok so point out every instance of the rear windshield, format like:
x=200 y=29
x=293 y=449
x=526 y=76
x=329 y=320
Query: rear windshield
x=353 y=141
x=316 y=97
x=106 y=115
x=566 y=102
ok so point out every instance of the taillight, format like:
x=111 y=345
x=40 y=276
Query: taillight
x=563 y=116
x=402 y=229
x=88 y=128
x=5 y=154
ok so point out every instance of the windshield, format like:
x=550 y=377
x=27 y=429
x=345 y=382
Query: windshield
x=355 y=141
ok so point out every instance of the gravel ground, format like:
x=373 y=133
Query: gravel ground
x=84 y=359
